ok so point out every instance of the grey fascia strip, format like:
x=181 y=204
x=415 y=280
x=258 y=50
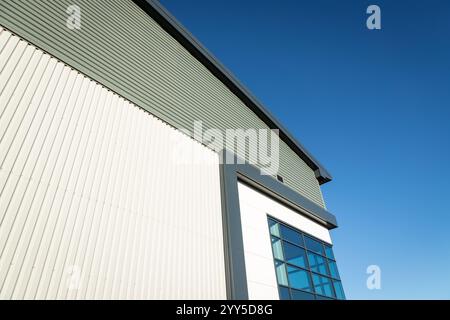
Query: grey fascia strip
x=281 y=192
x=172 y=26
x=236 y=277
x=276 y=189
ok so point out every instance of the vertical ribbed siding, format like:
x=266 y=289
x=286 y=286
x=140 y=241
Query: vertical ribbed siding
x=122 y=48
x=89 y=191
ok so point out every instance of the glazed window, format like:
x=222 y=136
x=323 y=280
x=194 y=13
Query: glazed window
x=305 y=266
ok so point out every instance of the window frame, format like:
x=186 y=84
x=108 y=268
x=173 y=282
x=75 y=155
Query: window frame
x=310 y=272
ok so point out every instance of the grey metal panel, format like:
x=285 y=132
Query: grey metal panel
x=121 y=47
x=232 y=231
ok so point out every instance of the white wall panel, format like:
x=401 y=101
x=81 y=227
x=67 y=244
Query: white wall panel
x=93 y=203
x=255 y=207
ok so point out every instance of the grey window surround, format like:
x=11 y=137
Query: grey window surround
x=230 y=174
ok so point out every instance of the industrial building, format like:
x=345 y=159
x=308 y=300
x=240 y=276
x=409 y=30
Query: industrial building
x=100 y=196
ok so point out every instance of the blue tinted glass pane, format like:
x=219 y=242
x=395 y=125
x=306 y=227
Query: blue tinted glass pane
x=280 y=269
x=291 y=235
x=274 y=228
x=317 y=263
x=314 y=245
x=329 y=252
x=333 y=269
x=299 y=279
x=301 y=295
x=277 y=249
x=284 y=293
x=339 y=290
x=294 y=255
x=323 y=286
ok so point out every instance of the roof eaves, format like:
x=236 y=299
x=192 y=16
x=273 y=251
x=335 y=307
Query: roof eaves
x=183 y=36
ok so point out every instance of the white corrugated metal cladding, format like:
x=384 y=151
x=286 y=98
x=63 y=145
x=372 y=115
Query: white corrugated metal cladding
x=91 y=205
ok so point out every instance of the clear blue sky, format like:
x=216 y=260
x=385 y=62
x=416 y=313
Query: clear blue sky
x=372 y=106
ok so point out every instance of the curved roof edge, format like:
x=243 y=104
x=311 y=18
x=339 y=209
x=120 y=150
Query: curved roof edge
x=183 y=36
